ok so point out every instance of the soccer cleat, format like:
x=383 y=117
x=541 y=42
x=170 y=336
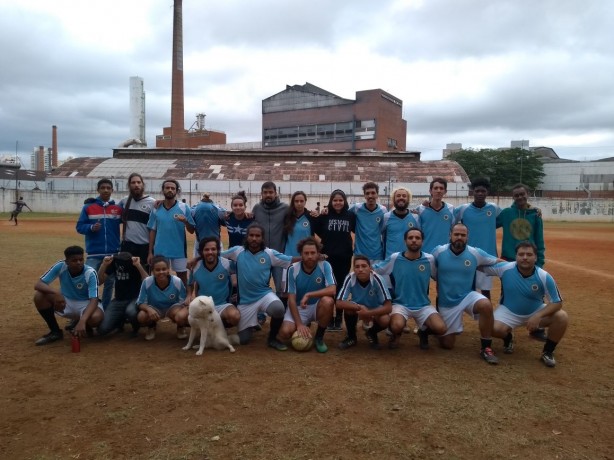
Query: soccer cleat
x=71 y=325
x=52 y=336
x=181 y=333
x=320 y=345
x=548 y=359
x=347 y=343
x=424 y=339
x=261 y=318
x=373 y=340
x=279 y=346
x=393 y=341
x=539 y=334
x=489 y=356
x=151 y=333
x=508 y=345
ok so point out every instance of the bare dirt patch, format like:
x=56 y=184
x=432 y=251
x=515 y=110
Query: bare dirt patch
x=125 y=398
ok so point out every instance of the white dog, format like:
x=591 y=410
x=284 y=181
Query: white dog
x=204 y=318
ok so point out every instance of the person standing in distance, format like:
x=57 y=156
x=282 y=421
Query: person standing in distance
x=19 y=205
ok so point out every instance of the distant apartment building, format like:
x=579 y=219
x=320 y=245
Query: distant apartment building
x=305 y=117
x=41 y=159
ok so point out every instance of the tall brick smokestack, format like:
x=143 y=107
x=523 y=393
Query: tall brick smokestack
x=54 y=146
x=177 y=116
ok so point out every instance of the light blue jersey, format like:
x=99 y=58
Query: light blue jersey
x=152 y=295
x=170 y=233
x=83 y=286
x=482 y=225
x=369 y=226
x=207 y=219
x=394 y=228
x=372 y=295
x=215 y=283
x=524 y=295
x=300 y=282
x=254 y=271
x=302 y=229
x=410 y=278
x=436 y=225
x=456 y=273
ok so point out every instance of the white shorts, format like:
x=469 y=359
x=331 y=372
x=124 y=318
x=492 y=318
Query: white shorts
x=504 y=315
x=163 y=312
x=75 y=308
x=308 y=315
x=483 y=282
x=249 y=311
x=179 y=265
x=453 y=316
x=420 y=316
x=223 y=306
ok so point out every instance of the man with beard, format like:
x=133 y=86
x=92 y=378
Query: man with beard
x=398 y=221
x=529 y=297
x=456 y=268
x=270 y=214
x=136 y=210
x=311 y=295
x=437 y=216
x=410 y=272
x=212 y=276
x=254 y=263
x=480 y=217
x=167 y=225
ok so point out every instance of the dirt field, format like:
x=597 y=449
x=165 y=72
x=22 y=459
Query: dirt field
x=125 y=398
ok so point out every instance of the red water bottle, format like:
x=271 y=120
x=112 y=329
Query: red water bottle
x=75 y=343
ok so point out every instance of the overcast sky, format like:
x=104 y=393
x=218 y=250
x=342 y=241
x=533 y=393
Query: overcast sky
x=479 y=72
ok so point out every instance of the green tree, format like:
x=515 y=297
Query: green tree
x=504 y=168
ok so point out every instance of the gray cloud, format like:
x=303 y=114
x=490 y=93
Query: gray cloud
x=543 y=70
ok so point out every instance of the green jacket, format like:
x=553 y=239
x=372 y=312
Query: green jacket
x=521 y=225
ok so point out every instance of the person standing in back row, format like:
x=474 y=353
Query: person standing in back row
x=136 y=210
x=335 y=230
x=523 y=222
x=270 y=214
x=436 y=217
x=100 y=222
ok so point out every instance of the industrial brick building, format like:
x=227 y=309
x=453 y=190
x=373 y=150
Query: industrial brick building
x=305 y=117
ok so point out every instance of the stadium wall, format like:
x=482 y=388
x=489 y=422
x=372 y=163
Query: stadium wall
x=553 y=209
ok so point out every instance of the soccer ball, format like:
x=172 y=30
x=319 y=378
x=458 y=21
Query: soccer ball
x=300 y=343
